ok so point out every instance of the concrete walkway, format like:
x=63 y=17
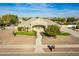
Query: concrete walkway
x=39 y=43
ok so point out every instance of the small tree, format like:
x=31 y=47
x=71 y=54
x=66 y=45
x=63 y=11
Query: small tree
x=73 y=27
x=70 y=20
x=77 y=27
x=52 y=30
x=9 y=19
x=20 y=28
x=2 y=24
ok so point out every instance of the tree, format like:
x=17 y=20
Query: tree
x=58 y=20
x=53 y=19
x=52 y=30
x=9 y=19
x=2 y=24
x=14 y=20
x=77 y=27
x=70 y=20
x=61 y=20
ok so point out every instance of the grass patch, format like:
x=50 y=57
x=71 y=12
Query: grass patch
x=26 y=33
x=63 y=33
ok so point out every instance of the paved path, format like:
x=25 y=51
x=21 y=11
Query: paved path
x=39 y=43
x=74 y=33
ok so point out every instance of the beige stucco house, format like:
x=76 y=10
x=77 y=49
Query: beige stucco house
x=36 y=24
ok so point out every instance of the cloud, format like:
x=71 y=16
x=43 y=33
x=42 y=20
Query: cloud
x=38 y=9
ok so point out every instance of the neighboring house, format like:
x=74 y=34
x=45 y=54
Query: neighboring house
x=70 y=25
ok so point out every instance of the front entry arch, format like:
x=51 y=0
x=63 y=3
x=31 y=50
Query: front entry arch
x=38 y=27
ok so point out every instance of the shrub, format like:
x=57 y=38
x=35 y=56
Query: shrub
x=52 y=30
x=20 y=28
x=73 y=27
x=77 y=27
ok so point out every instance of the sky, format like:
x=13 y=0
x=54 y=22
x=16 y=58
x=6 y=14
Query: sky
x=40 y=9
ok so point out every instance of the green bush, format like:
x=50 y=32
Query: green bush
x=73 y=27
x=52 y=30
x=20 y=28
x=77 y=27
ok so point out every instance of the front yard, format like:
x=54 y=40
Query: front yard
x=60 y=40
x=61 y=34
x=26 y=33
x=7 y=37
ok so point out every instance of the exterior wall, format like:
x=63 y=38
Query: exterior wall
x=15 y=27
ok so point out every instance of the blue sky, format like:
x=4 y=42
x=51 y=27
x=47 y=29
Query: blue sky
x=41 y=9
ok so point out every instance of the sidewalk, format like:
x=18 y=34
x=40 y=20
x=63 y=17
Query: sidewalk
x=39 y=43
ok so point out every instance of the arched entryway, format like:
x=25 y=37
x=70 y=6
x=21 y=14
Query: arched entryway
x=38 y=27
